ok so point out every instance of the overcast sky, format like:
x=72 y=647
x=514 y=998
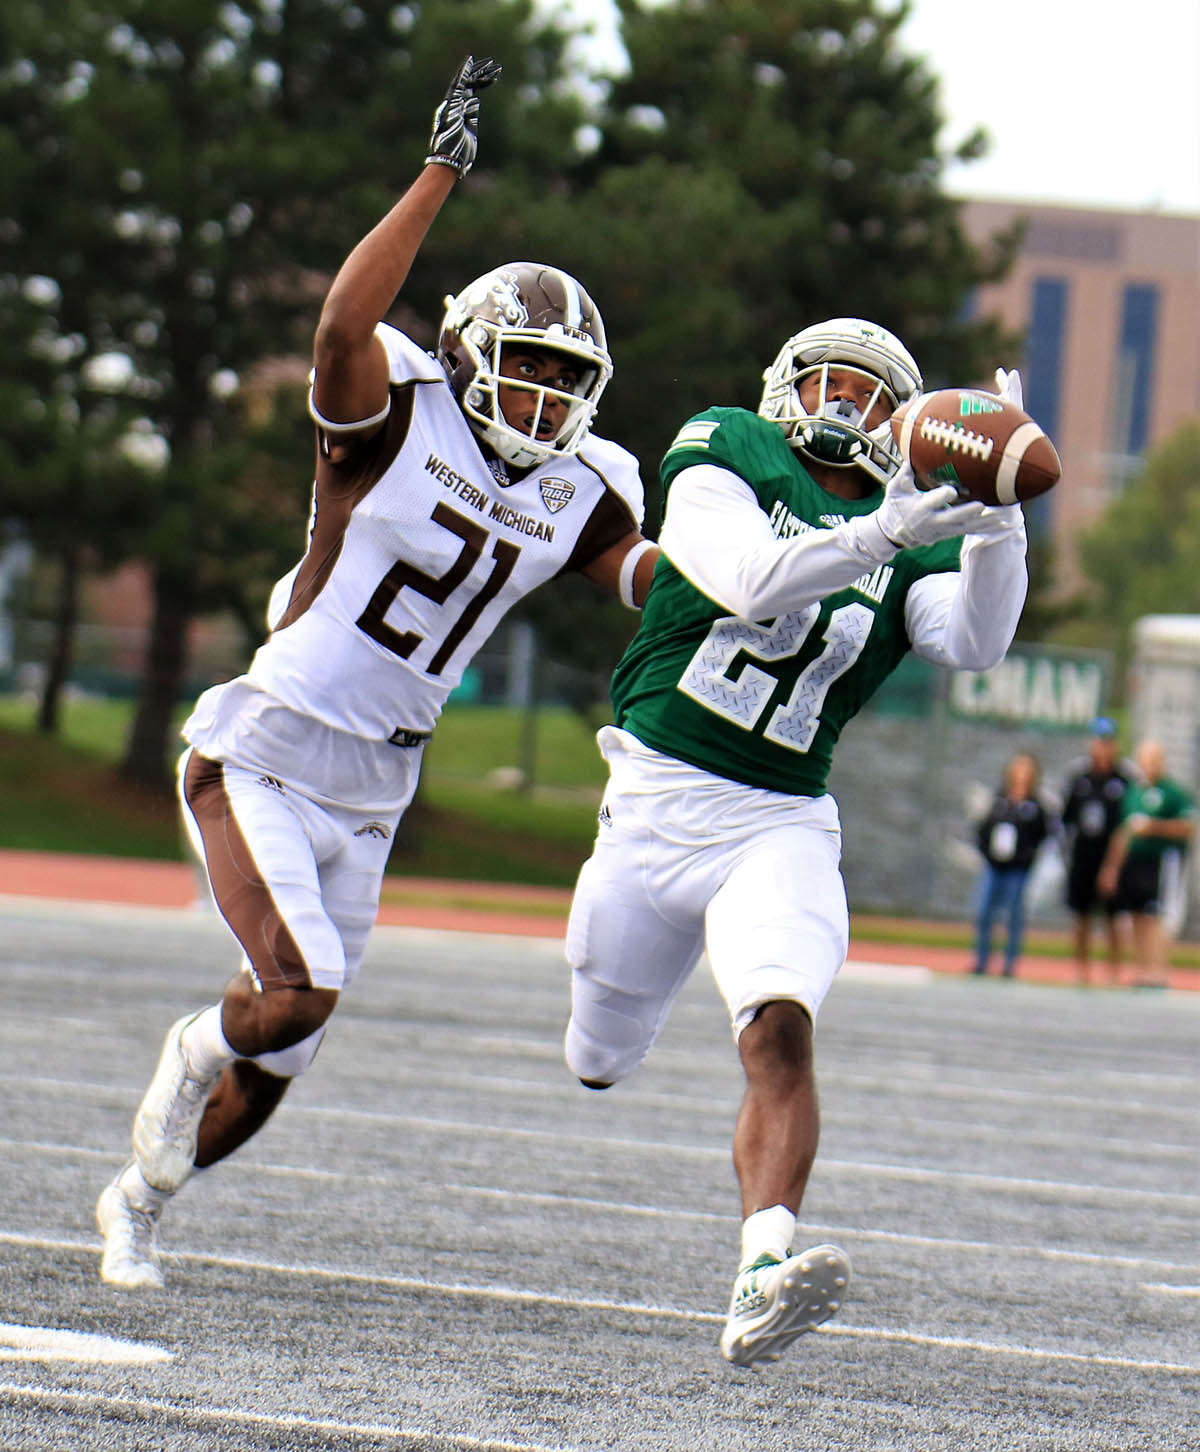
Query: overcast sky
x=1092 y=103
x=1087 y=102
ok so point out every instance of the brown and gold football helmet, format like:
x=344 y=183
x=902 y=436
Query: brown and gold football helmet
x=535 y=306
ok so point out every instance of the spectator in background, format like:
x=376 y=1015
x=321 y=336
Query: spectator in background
x=1009 y=837
x=1092 y=798
x=1143 y=865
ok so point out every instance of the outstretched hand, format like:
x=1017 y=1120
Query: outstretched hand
x=911 y=517
x=454 y=139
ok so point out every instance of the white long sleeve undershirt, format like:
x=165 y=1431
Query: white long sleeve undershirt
x=717 y=535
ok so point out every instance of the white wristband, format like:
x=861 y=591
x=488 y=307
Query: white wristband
x=628 y=567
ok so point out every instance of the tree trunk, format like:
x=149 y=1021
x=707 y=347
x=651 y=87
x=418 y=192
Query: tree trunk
x=146 y=752
x=66 y=616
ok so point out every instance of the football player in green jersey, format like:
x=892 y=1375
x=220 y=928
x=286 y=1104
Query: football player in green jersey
x=799 y=563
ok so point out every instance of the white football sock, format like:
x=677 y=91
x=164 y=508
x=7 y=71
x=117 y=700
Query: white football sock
x=767 y=1232
x=205 y=1045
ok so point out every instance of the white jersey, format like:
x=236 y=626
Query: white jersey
x=418 y=546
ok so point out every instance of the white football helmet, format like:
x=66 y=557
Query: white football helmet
x=833 y=434
x=538 y=306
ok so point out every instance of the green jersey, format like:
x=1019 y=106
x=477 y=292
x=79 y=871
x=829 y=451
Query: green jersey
x=1165 y=801
x=764 y=702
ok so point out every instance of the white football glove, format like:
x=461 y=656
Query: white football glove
x=1008 y=387
x=910 y=517
x=997 y=520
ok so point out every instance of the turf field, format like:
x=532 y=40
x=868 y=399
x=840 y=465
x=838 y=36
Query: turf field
x=440 y=1242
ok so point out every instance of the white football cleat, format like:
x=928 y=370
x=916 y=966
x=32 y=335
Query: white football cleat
x=168 y=1120
x=130 y=1253
x=775 y=1301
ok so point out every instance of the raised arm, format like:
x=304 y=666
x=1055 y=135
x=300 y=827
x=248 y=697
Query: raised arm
x=351 y=380
x=967 y=621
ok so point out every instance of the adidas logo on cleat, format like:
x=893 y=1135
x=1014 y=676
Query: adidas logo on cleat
x=750 y=1297
x=775 y=1302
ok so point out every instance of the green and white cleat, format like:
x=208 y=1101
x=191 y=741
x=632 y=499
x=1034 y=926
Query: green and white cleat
x=775 y=1301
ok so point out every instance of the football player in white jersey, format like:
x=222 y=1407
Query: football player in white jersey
x=799 y=564
x=447 y=487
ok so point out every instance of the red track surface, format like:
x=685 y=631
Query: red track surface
x=429 y=903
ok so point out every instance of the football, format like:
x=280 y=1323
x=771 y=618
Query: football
x=991 y=450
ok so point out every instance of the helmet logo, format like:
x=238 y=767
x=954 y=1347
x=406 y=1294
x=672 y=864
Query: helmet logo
x=507 y=298
x=556 y=493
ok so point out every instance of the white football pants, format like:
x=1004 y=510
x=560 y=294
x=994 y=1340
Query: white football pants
x=297 y=882
x=685 y=861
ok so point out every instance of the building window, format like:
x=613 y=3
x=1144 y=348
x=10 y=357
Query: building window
x=1135 y=369
x=1045 y=345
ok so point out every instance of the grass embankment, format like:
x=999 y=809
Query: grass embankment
x=63 y=794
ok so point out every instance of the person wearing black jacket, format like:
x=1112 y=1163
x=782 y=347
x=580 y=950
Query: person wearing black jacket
x=1009 y=837
x=1092 y=803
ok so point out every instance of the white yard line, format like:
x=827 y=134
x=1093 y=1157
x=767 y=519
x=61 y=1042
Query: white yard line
x=193 y=1415
x=1016 y=1183
x=51 y=1343
x=817 y=1231
x=504 y=1084
x=1009 y=1184
x=521 y=1296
